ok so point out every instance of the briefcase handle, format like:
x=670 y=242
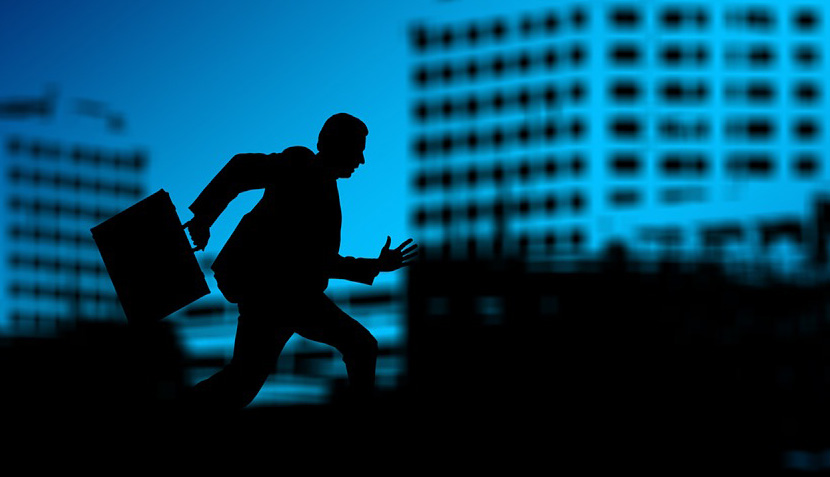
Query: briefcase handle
x=194 y=249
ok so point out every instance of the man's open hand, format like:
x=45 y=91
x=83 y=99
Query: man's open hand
x=199 y=233
x=391 y=260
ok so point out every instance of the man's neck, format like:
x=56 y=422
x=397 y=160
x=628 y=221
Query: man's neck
x=322 y=170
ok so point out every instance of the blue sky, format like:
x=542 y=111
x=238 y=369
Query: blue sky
x=202 y=81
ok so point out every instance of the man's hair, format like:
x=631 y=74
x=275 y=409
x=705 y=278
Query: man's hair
x=341 y=128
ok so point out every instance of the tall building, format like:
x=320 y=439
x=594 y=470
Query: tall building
x=68 y=165
x=558 y=130
x=542 y=136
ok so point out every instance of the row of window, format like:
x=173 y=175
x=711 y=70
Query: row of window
x=500 y=65
x=627 y=90
x=698 y=54
x=803 y=19
x=620 y=17
x=35 y=290
x=803 y=91
x=500 y=100
x=623 y=128
x=626 y=17
x=620 y=54
x=750 y=164
x=524 y=170
x=682 y=129
x=623 y=91
x=429 y=38
x=753 y=17
x=622 y=164
x=36 y=317
x=674 y=164
x=626 y=197
x=715 y=236
x=682 y=195
x=802 y=129
x=549 y=241
x=572 y=202
x=498 y=137
x=96 y=156
x=51 y=236
x=718 y=235
x=685 y=91
x=55 y=265
x=58 y=209
x=75 y=183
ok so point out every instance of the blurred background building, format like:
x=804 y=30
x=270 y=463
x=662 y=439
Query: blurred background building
x=68 y=164
x=623 y=213
x=547 y=132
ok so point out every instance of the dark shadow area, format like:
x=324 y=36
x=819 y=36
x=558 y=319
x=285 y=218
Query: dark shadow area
x=99 y=373
x=670 y=362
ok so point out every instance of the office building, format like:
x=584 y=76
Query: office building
x=68 y=164
x=555 y=131
x=553 y=152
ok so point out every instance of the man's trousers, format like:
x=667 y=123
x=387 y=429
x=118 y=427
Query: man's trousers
x=265 y=324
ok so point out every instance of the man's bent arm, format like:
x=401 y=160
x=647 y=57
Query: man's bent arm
x=364 y=270
x=361 y=270
x=242 y=173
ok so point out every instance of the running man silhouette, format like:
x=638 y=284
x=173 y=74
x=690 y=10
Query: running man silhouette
x=277 y=263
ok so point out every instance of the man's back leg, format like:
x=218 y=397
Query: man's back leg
x=324 y=322
x=259 y=342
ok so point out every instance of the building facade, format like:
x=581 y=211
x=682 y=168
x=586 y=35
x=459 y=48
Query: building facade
x=67 y=166
x=553 y=151
x=548 y=132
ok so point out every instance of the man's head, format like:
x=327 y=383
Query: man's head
x=341 y=143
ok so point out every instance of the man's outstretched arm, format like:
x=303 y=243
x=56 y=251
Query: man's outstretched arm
x=364 y=270
x=242 y=173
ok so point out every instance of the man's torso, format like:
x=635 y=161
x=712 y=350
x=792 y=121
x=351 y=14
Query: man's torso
x=290 y=235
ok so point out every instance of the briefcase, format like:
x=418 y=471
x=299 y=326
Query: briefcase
x=149 y=259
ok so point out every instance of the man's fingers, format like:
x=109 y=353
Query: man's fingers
x=403 y=244
x=388 y=243
x=409 y=249
x=409 y=257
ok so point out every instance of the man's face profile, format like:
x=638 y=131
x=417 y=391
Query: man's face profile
x=344 y=156
x=341 y=143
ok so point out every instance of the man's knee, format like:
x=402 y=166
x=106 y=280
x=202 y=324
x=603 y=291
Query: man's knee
x=242 y=384
x=372 y=345
x=246 y=391
x=363 y=347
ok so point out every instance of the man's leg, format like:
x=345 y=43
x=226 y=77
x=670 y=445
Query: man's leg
x=259 y=341
x=326 y=323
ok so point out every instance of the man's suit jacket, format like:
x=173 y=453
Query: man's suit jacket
x=290 y=241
